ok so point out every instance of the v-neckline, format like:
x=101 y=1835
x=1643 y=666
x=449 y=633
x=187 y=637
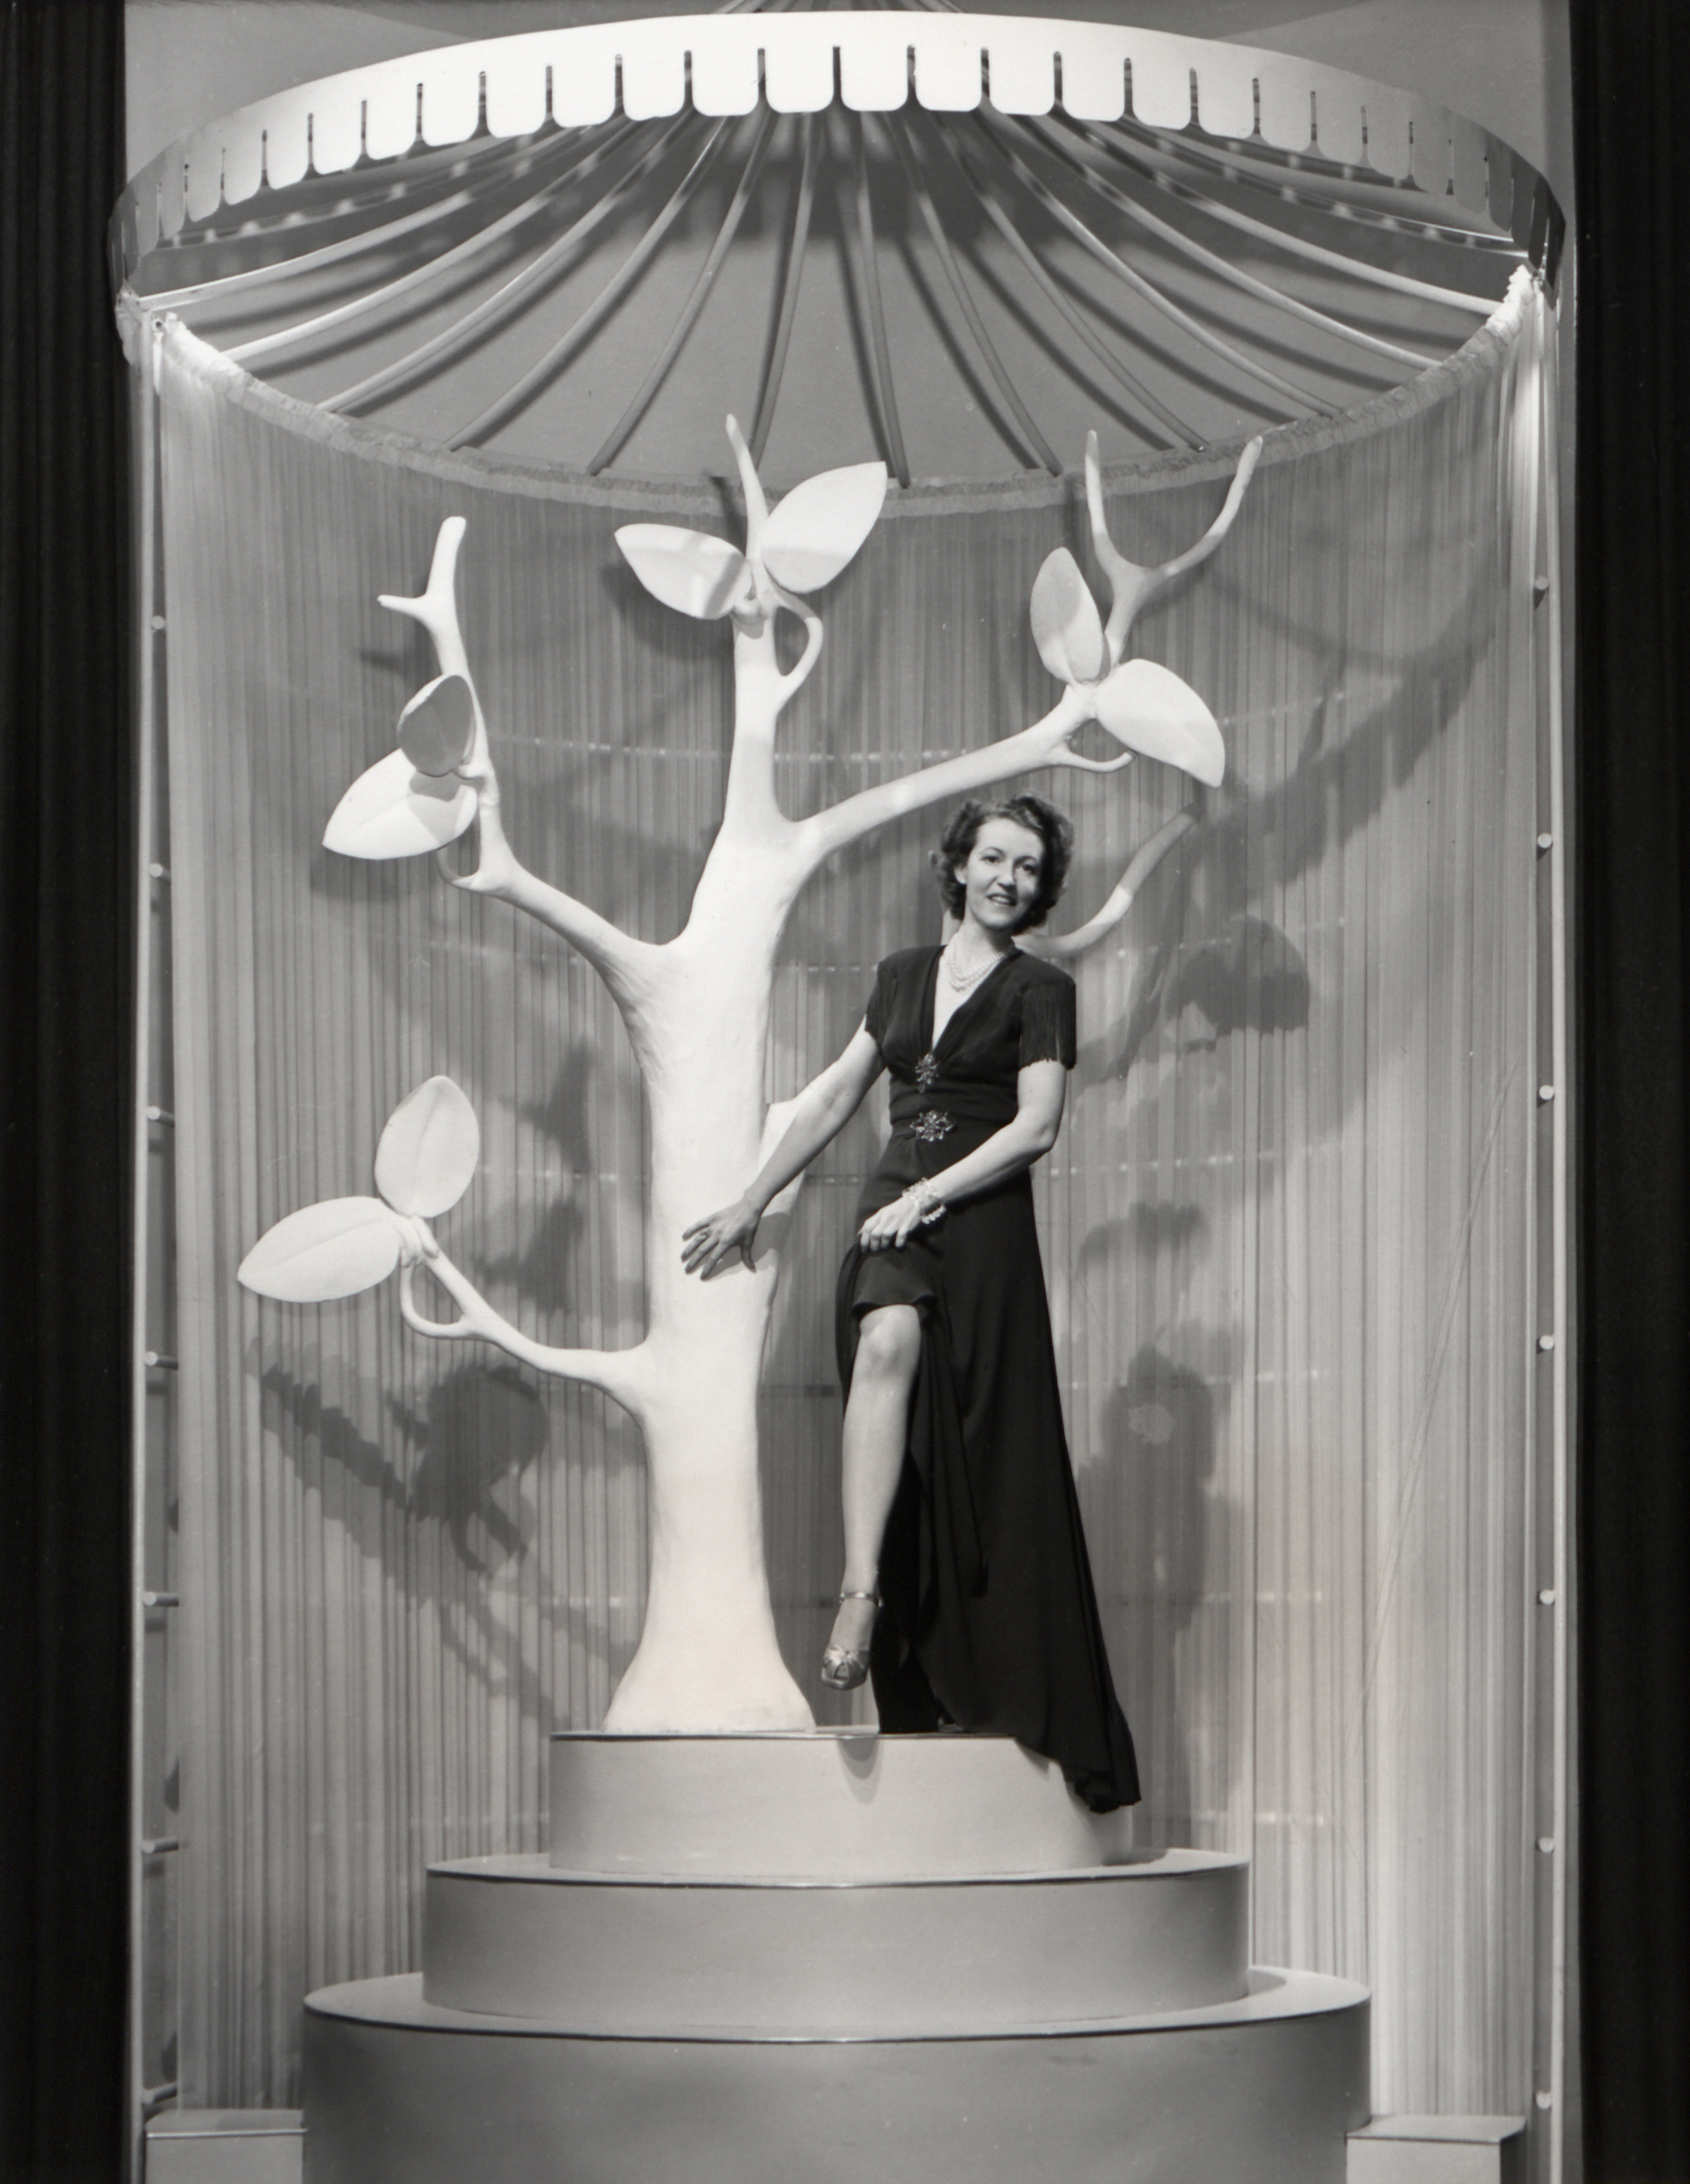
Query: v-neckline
x=935 y=1040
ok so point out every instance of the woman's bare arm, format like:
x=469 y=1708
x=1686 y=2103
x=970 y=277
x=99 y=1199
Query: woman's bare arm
x=1041 y=1090
x=820 y=1112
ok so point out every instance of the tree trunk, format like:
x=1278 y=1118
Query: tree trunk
x=707 y=1658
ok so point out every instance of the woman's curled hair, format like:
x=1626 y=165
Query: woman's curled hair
x=962 y=828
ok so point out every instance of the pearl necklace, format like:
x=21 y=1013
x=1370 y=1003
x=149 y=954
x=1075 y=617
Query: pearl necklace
x=960 y=981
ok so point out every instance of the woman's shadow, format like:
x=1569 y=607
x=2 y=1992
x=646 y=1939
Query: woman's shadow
x=1160 y=1434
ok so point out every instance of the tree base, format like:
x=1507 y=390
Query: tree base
x=705 y=1688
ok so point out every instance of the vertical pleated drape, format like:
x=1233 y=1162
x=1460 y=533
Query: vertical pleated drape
x=1289 y=1227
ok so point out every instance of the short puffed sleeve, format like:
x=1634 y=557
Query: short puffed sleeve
x=1047 y=1022
x=877 y=1015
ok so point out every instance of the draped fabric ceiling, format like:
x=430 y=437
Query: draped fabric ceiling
x=1292 y=1229
x=585 y=247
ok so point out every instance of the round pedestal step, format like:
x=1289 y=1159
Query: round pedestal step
x=824 y=1956
x=618 y=1955
x=818 y=1805
x=1257 y=2090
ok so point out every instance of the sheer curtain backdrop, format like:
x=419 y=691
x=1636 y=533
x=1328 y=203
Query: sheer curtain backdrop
x=1288 y=1227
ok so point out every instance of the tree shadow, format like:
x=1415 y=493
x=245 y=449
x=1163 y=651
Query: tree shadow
x=1335 y=787
x=562 y=1119
x=1147 y=1227
x=483 y=1426
x=451 y=1474
x=1253 y=980
x=1242 y=972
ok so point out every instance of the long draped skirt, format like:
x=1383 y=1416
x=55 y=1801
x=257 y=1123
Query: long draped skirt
x=990 y=1618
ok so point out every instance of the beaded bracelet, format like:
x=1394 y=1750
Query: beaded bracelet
x=927 y=1202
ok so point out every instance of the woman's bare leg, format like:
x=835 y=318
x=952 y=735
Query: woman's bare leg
x=876 y=1430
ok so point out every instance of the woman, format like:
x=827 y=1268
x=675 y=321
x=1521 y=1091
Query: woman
x=966 y=1590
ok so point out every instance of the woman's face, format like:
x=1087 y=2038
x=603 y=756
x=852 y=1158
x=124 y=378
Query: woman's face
x=1000 y=876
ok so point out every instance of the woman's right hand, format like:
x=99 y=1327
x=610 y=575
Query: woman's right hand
x=707 y=1243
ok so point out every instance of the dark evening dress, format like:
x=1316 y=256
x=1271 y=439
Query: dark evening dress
x=989 y=1621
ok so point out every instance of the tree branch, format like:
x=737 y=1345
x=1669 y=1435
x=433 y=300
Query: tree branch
x=620 y=1373
x=798 y=672
x=1047 y=742
x=1132 y=587
x=623 y=963
x=760 y=690
x=1044 y=744
x=1144 y=862
x=626 y=965
x=437 y=607
x=756 y=500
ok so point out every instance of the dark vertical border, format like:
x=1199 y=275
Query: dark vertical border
x=1631 y=783
x=67 y=798
x=66 y=858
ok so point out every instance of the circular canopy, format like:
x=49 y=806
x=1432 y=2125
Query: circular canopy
x=955 y=242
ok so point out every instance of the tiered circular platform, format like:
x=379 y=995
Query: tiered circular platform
x=808 y=1958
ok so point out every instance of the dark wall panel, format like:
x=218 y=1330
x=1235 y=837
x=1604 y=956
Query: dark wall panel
x=66 y=884
x=1631 y=78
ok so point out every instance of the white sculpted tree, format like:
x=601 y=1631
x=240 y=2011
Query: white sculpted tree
x=696 y=1008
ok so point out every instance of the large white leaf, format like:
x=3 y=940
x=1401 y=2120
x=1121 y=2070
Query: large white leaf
x=1066 y=626
x=436 y=727
x=392 y=810
x=1150 y=709
x=333 y=1250
x=690 y=570
x=820 y=525
x=429 y=1149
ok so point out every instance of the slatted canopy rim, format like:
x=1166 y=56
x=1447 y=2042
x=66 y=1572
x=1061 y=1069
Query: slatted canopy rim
x=455 y=245
x=874 y=59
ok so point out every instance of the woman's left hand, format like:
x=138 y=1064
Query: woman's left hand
x=895 y=1223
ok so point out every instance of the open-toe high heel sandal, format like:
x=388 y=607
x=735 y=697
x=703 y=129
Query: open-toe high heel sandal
x=842 y=1668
